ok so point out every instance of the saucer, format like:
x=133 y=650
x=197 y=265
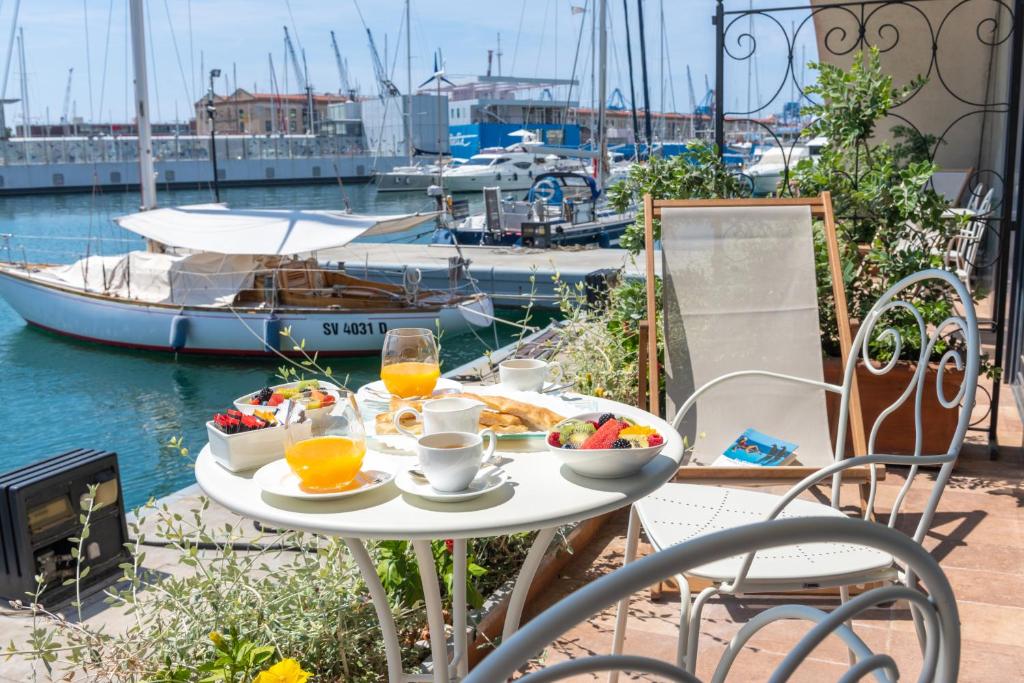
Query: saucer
x=376 y=392
x=277 y=478
x=485 y=482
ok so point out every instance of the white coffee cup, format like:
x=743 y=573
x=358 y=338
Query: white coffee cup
x=453 y=414
x=526 y=374
x=451 y=460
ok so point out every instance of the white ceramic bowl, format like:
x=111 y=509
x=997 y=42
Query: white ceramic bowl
x=317 y=415
x=249 y=450
x=603 y=463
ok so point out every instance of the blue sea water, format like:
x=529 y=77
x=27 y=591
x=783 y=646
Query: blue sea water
x=62 y=394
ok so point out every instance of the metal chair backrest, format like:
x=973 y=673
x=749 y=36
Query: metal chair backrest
x=955 y=338
x=940 y=660
x=741 y=293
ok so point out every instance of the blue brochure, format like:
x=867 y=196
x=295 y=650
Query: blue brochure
x=760 y=449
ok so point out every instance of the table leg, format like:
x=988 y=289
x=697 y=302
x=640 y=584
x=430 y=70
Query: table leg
x=392 y=648
x=435 y=617
x=459 y=608
x=518 y=598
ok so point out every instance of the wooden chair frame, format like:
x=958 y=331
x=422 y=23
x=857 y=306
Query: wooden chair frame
x=821 y=208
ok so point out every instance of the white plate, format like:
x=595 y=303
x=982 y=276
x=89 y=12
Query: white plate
x=376 y=392
x=488 y=480
x=277 y=478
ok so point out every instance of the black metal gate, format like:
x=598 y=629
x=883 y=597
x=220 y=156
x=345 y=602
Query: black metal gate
x=943 y=30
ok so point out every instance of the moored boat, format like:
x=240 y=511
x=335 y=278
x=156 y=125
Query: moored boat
x=562 y=208
x=218 y=281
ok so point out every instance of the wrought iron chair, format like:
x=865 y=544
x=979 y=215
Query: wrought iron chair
x=962 y=251
x=935 y=605
x=678 y=512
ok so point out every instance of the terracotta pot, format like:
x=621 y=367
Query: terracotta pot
x=897 y=433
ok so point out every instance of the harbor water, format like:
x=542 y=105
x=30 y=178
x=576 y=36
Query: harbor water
x=65 y=394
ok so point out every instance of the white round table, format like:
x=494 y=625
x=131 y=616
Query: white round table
x=542 y=495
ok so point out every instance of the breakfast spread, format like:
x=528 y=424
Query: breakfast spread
x=607 y=431
x=503 y=415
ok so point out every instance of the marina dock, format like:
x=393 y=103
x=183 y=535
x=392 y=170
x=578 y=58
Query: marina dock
x=502 y=272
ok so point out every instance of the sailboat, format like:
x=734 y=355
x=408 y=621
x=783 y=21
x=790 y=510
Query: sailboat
x=215 y=280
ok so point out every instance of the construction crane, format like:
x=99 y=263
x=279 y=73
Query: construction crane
x=689 y=86
x=301 y=78
x=67 y=102
x=385 y=86
x=346 y=88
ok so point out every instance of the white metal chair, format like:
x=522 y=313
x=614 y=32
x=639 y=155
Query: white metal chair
x=935 y=605
x=961 y=253
x=678 y=512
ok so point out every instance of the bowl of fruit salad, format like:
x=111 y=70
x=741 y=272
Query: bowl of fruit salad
x=316 y=397
x=604 y=446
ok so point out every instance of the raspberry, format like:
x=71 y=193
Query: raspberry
x=655 y=440
x=595 y=423
x=604 y=418
x=621 y=443
x=555 y=439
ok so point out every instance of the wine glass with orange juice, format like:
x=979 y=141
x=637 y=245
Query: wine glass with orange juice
x=409 y=362
x=331 y=462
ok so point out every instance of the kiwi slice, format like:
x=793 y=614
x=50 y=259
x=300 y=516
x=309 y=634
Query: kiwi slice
x=577 y=427
x=577 y=438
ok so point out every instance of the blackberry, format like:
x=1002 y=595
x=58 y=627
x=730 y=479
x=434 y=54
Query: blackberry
x=264 y=394
x=604 y=418
x=621 y=443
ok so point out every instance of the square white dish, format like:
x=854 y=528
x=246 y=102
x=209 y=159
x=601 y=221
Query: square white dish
x=249 y=450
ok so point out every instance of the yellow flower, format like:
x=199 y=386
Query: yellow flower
x=218 y=639
x=285 y=671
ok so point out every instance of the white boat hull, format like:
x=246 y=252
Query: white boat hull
x=405 y=182
x=219 y=330
x=474 y=183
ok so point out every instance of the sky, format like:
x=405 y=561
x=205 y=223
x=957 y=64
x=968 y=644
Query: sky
x=189 y=37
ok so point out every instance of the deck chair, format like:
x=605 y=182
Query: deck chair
x=678 y=512
x=940 y=644
x=740 y=296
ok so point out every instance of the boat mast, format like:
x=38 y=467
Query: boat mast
x=26 y=127
x=147 y=178
x=7 y=70
x=602 y=84
x=408 y=84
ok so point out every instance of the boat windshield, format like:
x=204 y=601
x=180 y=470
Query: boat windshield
x=479 y=161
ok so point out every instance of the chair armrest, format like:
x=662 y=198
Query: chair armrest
x=743 y=374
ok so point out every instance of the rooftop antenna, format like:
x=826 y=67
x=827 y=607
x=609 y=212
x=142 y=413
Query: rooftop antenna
x=498 y=53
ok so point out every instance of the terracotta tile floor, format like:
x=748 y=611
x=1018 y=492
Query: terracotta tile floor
x=978 y=537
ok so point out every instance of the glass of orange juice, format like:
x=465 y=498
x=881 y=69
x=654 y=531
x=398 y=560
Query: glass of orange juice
x=409 y=362
x=332 y=461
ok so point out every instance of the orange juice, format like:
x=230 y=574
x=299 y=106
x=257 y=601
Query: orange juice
x=410 y=378
x=326 y=463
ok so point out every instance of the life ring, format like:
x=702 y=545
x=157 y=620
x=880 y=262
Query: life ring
x=545 y=189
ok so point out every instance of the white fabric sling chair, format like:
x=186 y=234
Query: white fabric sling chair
x=679 y=512
x=936 y=604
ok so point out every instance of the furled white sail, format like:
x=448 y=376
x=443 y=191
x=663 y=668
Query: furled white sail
x=216 y=228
